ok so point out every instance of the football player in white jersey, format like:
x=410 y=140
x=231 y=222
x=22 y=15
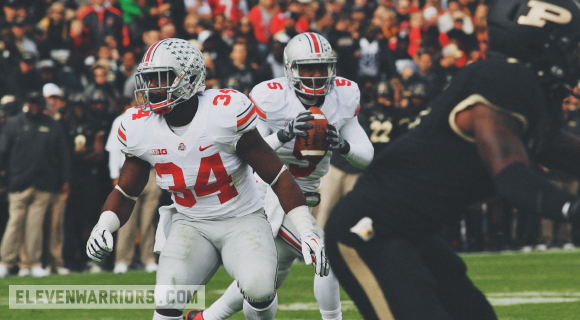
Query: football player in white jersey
x=203 y=145
x=283 y=108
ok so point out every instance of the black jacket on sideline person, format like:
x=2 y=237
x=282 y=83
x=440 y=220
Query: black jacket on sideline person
x=34 y=153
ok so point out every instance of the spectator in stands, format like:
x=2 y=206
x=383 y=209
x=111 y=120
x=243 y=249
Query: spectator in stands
x=12 y=14
x=26 y=78
x=215 y=44
x=100 y=21
x=464 y=41
x=198 y=7
x=143 y=214
x=101 y=83
x=274 y=66
x=401 y=52
x=85 y=135
x=448 y=64
x=238 y=74
x=376 y=58
x=424 y=73
x=55 y=99
x=23 y=42
x=140 y=16
x=10 y=106
x=211 y=77
x=288 y=24
x=260 y=17
x=229 y=33
x=102 y=110
x=403 y=11
x=9 y=60
x=149 y=38
x=345 y=46
x=62 y=75
x=289 y=19
x=35 y=156
x=106 y=59
x=125 y=78
x=57 y=31
x=324 y=24
x=445 y=22
x=56 y=109
x=245 y=34
x=229 y=8
x=190 y=25
x=385 y=18
x=414 y=101
x=167 y=30
x=335 y=7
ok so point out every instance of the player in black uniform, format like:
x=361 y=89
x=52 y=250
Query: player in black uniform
x=497 y=118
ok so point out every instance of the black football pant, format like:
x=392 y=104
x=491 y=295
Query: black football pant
x=400 y=278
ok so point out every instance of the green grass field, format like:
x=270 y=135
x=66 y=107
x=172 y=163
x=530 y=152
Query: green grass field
x=532 y=286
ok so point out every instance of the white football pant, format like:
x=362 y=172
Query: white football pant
x=195 y=249
x=326 y=289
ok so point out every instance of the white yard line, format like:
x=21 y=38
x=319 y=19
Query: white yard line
x=496 y=299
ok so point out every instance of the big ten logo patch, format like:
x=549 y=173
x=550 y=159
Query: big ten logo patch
x=158 y=152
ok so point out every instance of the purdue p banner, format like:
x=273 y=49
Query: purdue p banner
x=106 y=297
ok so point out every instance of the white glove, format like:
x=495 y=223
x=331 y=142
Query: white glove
x=100 y=243
x=314 y=253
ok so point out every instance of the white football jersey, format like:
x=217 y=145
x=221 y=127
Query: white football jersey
x=201 y=169
x=278 y=104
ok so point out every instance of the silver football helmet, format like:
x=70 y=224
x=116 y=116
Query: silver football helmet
x=179 y=68
x=309 y=48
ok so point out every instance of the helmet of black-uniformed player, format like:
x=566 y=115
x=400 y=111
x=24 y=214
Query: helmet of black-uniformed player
x=169 y=59
x=309 y=48
x=544 y=34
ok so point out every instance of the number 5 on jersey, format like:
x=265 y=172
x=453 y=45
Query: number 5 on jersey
x=223 y=183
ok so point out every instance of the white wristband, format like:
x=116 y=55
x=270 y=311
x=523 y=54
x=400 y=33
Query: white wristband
x=125 y=194
x=278 y=176
x=300 y=217
x=110 y=221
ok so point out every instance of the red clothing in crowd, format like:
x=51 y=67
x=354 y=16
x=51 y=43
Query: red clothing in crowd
x=277 y=24
x=230 y=8
x=100 y=22
x=261 y=26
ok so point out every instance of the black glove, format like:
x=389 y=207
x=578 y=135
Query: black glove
x=335 y=140
x=295 y=127
x=573 y=212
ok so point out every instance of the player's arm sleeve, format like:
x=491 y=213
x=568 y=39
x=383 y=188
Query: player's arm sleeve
x=263 y=128
x=270 y=137
x=122 y=138
x=273 y=141
x=361 y=149
x=113 y=146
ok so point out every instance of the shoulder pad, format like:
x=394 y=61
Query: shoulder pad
x=231 y=112
x=132 y=128
x=348 y=97
x=270 y=96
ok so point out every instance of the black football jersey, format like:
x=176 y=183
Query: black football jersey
x=435 y=171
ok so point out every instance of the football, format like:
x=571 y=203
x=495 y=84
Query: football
x=314 y=146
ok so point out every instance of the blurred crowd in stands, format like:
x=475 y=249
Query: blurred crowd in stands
x=75 y=60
